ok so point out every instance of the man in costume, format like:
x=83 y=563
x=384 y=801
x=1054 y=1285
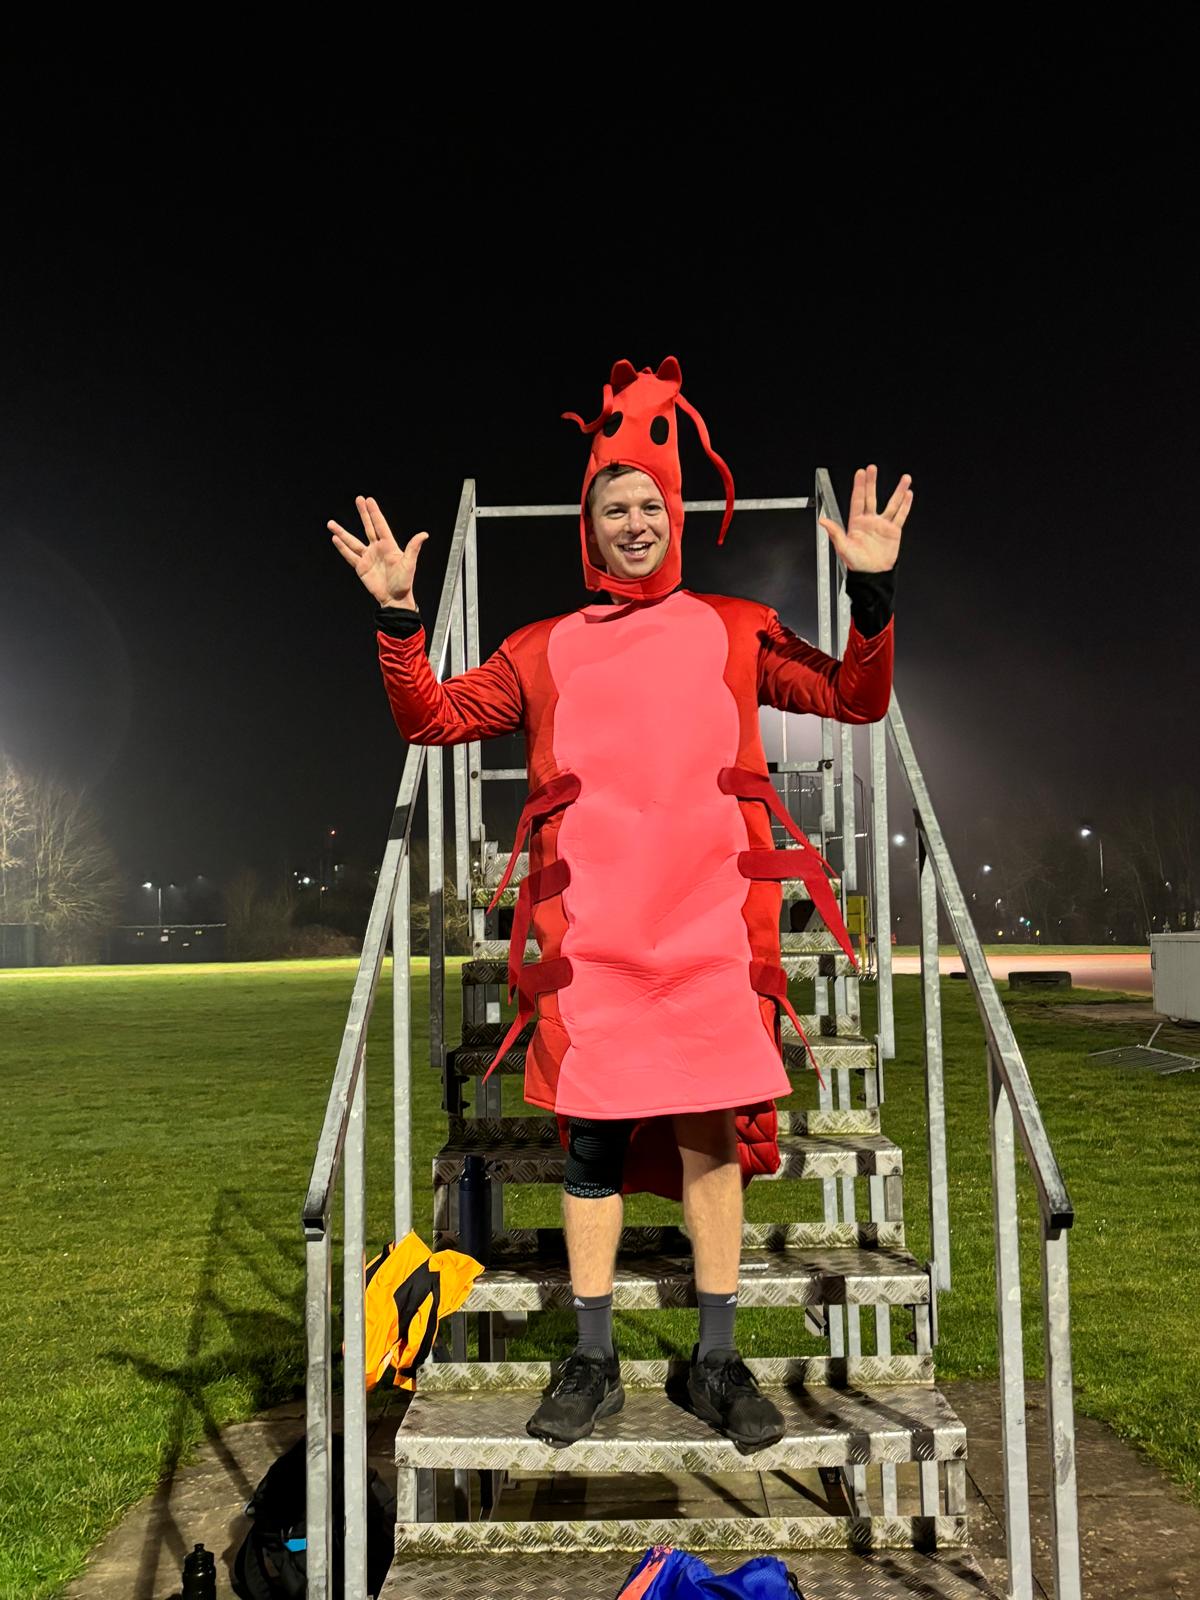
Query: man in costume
x=653 y=888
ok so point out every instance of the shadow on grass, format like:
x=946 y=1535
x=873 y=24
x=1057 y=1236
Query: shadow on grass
x=261 y=1349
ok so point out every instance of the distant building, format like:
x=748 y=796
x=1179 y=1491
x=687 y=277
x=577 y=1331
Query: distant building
x=174 y=941
x=18 y=944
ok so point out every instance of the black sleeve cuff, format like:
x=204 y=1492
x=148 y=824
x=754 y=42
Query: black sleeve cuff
x=872 y=600
x=398 y=621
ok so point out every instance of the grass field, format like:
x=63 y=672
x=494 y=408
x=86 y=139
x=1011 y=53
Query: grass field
x=156 y=1149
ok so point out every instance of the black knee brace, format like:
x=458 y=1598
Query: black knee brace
x=596 y=1157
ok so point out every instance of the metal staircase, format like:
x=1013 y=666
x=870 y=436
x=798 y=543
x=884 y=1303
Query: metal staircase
x=877 y=1449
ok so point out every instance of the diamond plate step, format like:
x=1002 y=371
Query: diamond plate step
x=665 y=1239
x=492 y=955
x=543 y=1130
x=836 y=1372
x=481 y=1040
x=697 y=1535
x=793 y=890
x=489 y=962
x=801 y=1156
x=765 y=1278
x=823 y=1025
x=494 y=865
x=805 y=941
x=823 y=1428
x=817 y=964
x=896 y=1575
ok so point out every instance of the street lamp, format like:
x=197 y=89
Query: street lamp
x=159 y=888
x=1086 y=833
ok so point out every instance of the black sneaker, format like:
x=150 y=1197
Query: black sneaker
x=588 y=1387
x=724 y=1391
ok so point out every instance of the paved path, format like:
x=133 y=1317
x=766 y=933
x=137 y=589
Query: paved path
x=1140 y=1537
x=1118 y=971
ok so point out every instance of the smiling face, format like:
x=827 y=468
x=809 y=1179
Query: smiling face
x=626 y=512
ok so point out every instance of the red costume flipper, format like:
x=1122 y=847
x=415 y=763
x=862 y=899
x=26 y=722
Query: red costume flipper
x=536 y=978
x=541 y=885
x=555 y=792
x=748 y=785
x=770 y=979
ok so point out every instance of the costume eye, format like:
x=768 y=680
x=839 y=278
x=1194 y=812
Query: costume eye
x=660 y=430
x=613 y=423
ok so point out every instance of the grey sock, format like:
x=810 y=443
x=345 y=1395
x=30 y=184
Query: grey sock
x=593 y=1317
x=717 y=1312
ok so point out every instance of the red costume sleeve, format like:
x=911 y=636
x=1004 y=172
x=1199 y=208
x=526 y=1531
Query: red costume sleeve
x=794 y=675
x=483 y=703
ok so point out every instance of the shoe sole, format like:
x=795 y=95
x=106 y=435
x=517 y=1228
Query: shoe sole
x=609 y=1406
x=746 y=1444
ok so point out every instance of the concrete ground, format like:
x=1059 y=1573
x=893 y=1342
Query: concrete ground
x=1140 y=1538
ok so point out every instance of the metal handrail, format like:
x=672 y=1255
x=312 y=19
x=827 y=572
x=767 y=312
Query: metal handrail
x=337 y=1111
x=1013 y=1114
x=341 y=1146
x=1055 y=1202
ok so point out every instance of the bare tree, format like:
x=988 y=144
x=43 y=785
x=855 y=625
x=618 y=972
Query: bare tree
x=258 y=920
x=57 y=869
x=1156 y=842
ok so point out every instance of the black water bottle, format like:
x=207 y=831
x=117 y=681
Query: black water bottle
x=200 y=1575
x=474 y=1210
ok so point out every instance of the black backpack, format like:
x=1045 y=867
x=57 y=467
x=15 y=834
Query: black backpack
x=272 y=1563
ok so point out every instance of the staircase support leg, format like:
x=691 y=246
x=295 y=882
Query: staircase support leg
x=416 y=1491
x=354 y=1397
x=1012 y=1354
x=318 y=1416
x=879 y=844
x=829 y=1196
x=402 y=1054
x=1060 y=1410
x=935 y=1093
x=877 y=1202
x=850 y=1214
x=928 y=1469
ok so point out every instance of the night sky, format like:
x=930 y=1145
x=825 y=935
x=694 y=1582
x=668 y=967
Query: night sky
x=198 y=373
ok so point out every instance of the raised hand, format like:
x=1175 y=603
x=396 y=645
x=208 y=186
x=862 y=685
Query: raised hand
x=872 y=541
x=385 y=569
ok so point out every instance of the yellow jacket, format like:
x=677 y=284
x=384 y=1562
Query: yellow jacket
x=408 y=1290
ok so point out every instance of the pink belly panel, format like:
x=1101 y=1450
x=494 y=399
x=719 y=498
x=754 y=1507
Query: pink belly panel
x=660 y=1013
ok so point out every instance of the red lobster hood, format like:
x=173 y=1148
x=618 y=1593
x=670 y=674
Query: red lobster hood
x=638 y=428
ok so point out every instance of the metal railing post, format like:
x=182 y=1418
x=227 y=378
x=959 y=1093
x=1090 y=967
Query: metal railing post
x=458 y=663
x=402 y=1052
x=354 y=1384
x=935 y=1088
x=880 y=843
x=475 y=747
x=437 y=919
x=1060 y=1414
x=1011 y=1341
x=318 y=1413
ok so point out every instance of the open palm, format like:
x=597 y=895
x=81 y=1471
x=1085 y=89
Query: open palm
x=871 y=543
x=386 y=569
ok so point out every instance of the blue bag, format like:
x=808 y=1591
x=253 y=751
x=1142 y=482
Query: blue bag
x=667 y=1574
